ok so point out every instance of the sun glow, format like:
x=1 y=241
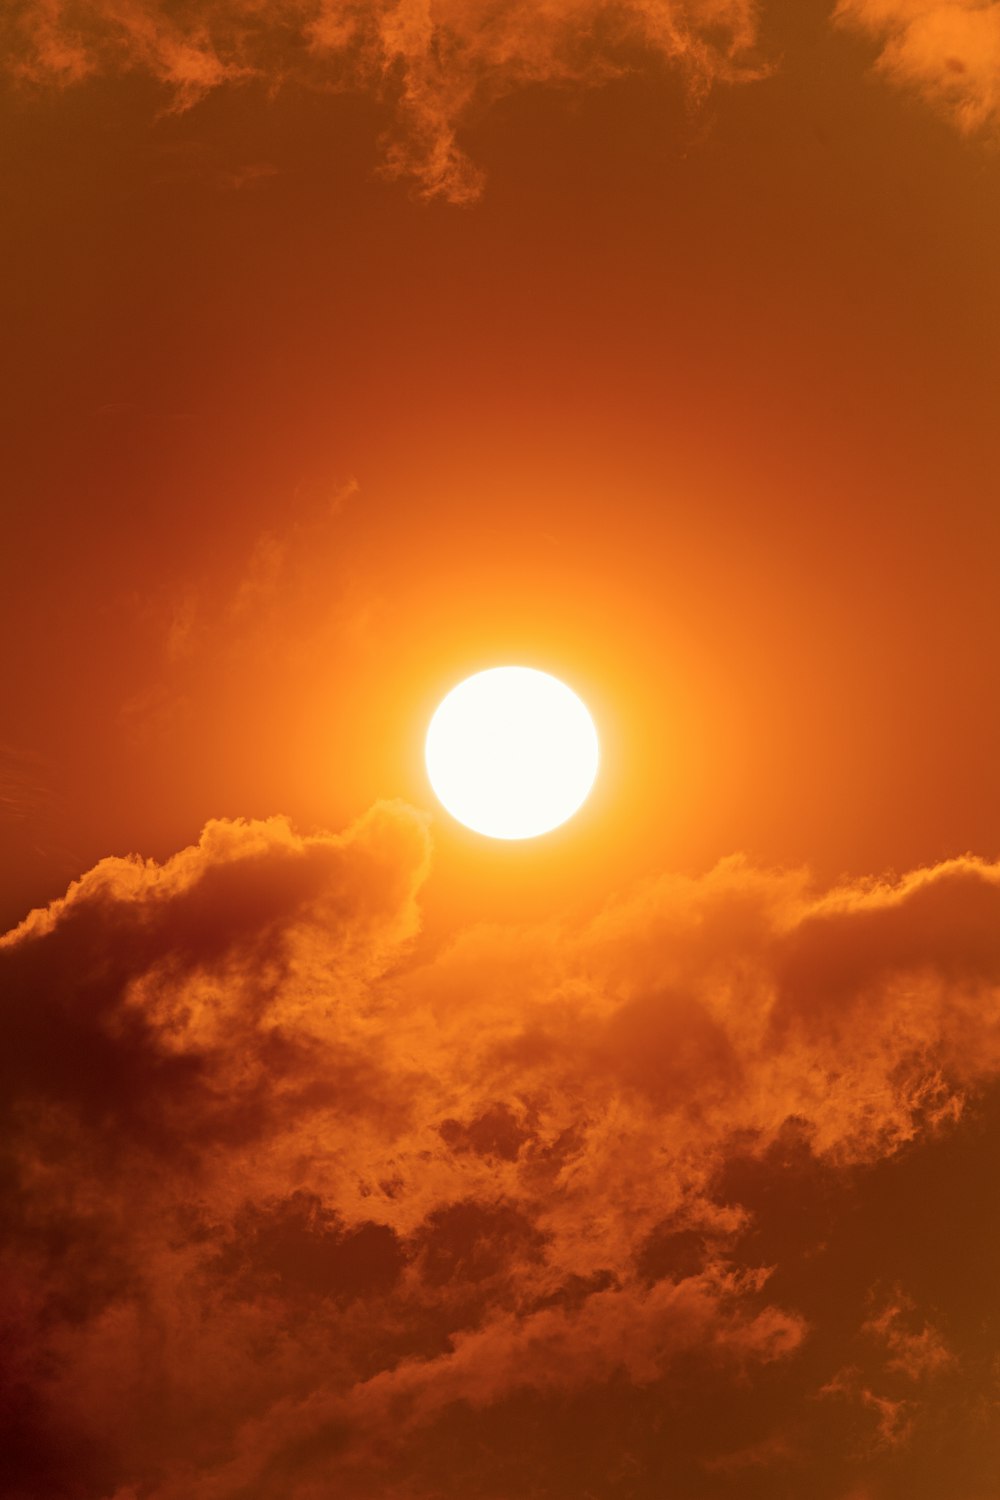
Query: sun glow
x=512 y=752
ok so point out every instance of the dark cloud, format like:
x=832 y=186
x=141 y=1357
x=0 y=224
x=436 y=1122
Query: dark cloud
x=695 y=1196
x=295 y=1249
x=175 y=982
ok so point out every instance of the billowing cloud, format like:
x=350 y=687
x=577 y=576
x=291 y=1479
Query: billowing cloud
x=667 y=1200
x=434 y=63
x=948 y=51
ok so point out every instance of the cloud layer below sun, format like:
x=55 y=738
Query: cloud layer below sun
x=292 y=1209
x=437 y=63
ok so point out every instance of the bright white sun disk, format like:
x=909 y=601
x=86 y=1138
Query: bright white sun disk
x=512 y=752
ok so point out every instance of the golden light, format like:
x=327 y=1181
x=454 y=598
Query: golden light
x=512 y=752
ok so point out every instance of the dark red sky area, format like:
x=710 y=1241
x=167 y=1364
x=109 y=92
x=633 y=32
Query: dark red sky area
x=349 y=349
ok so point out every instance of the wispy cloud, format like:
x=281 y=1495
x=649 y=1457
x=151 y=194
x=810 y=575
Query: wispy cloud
x=434 y=63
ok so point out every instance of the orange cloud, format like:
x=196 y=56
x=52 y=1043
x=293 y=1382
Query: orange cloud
x=290 y=1208
x=913 y=1348
x=949 y=53
x=433 y=64
x=436 y=65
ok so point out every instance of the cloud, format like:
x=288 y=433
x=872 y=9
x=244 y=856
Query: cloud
x=434 y=63
x=653 y=1196
x=948 y=53
x=434 y=66
x=913 y=1348
x=176 y=981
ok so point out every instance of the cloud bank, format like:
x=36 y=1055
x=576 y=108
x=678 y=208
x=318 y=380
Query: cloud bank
x=691 y=1196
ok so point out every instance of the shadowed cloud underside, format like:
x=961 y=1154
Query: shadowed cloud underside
x=291 y=1205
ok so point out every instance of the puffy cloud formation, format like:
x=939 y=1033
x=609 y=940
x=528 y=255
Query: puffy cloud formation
x=947 y=50
x=433 y=61
x=693 y=1196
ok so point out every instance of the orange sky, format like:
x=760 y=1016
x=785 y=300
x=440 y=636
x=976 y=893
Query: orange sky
x=349 y=349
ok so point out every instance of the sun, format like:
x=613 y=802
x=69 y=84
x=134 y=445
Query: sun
x=512 y=752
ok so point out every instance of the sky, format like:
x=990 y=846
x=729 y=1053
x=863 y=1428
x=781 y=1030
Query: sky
x=350 y=348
